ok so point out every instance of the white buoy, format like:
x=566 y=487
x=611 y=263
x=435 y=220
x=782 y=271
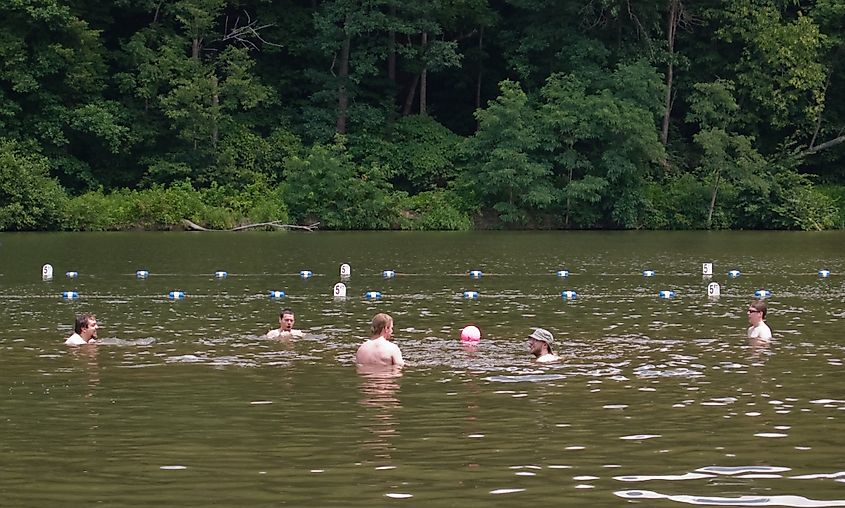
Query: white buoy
x=345 y=271
x=471 y=295
x=339 y=290
x=70 y=295
x=563 y=273
x=388 y=274
x=762 y=293
x=666 y=294
x=568 y=295
x=176 y=295
x=277 y=294
x=714 y=290
x=822 y=273
x=706 y=268
x=47 y=272
x=71 y=275
x=648 y=273
x=142 y=274
x=372 y=295
x=475 y=274
x=305 y=274
x=220 y=274
x=734 y=274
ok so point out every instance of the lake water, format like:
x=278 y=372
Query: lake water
x=659 y=402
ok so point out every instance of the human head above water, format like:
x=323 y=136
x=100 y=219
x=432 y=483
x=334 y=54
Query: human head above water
x=759 y=305
x=82 y=321
x=380 y=323
x=286 y=319
x=543 y=335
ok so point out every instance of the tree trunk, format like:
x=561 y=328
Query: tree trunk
x=671 y=27
x=409 y=98
x=215 y=106
x=342 y=91
x=424 y=76
x=480 y=68
x=713 y=200
x=391 y=49
x=566 y=219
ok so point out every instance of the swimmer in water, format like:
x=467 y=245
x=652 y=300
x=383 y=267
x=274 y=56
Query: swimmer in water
x=285 y=330
x=84 y=331
x=378 y=350
x=540 y=344
x=759 y=333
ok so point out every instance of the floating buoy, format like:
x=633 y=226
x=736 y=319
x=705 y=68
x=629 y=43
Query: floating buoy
x=568 y=295
x=824 y=273
x=666 y=294
x=47 y=272
x=305 y=274
x=142 y=274
x=345 y=271
x=714 y=290
x=72 y=275
x=706 y=268
x=176 y=295
x=470 y=334
x=388 y=274
x=471 y=295
x=372 y=295
x=475 y=274
x=734 y=274
x=762 y=293
x=70 y=295
x=339 y=290
x=563 y=273
x=277 y=294
x=221 y=275
x=648 y=273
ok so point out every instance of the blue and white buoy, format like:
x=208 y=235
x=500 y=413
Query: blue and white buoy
x=563 y=273
x=176 y=295
x=475 y=274
x=220 y=274
x=71 y=275
x=734 y=274
x=388 y=274
x=666 y=294
x=306 y=274
x=372 y=295
x=471 y=295
x=70 y=295
x=568 y=295
x=277 y=294
x=142 y=274
x=648 y=273
x=824 y=273
x=762 y=293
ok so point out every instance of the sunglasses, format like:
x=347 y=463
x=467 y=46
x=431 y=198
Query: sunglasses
x=753 y=311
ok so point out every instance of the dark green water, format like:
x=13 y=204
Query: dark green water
x=660 y=402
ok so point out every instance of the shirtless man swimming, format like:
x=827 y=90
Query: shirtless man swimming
x=378 y=350
x=84 y=331
x=285 y=330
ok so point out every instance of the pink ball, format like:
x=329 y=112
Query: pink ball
x=470 y=334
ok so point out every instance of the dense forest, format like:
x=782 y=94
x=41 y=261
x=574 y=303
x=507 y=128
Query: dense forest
x=423 y=114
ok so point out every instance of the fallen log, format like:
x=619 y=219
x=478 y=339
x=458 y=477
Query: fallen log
x=193 y=226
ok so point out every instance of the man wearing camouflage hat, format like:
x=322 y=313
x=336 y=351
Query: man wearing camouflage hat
x=540 y=344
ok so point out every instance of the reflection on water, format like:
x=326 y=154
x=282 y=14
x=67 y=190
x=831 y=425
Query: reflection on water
x=379 y=387
x=186 y=403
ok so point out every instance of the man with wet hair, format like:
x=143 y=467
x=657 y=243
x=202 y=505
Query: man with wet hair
x=378 y=350
x=84 y=331
x=759 y=332
x=540 y=344
x=285 y=330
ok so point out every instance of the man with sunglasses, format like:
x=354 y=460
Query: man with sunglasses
x=759 y=332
